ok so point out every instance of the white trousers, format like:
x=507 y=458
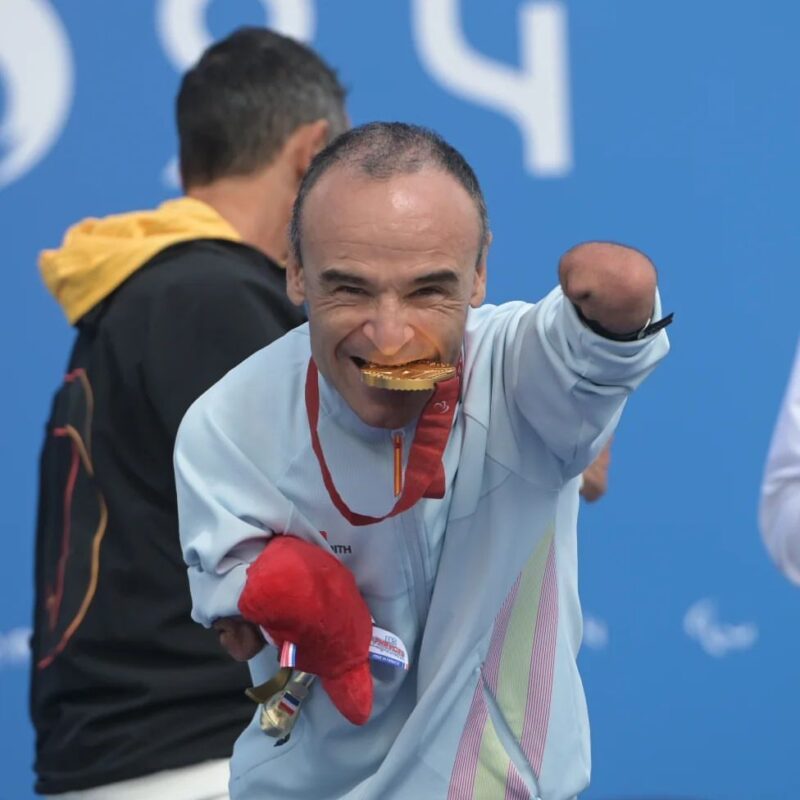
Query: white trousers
x=206 y=781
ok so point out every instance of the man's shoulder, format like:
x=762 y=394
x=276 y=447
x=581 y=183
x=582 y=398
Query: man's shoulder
x=203 y=264
x=489 y=314
x=488 y=320
x=270 y=383
x=206 y=278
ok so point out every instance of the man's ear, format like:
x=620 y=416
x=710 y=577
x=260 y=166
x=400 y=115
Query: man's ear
x=295 y=281
x=479 y=286
x=305 y=143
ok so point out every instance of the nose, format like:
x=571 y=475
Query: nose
x=388 y=330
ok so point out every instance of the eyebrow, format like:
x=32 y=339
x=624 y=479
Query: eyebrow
x=446 y=276
x=334 y=275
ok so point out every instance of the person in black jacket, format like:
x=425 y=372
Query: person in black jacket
x=129 y=697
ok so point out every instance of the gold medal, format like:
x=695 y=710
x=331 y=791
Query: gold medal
x=281 y=699
x=280 y=712
x=413 y=377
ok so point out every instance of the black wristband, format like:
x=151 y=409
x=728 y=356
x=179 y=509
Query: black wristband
x=648 y=330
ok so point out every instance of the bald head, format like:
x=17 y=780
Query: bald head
x=381 y=151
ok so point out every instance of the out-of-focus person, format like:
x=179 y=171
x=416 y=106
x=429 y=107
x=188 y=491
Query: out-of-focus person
x=779 y=511
x=130 y=698
x=594 y=481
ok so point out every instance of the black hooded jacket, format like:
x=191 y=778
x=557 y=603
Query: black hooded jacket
x=124 y=683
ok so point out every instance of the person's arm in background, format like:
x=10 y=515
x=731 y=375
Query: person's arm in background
x=594 y=483
x=779 y=511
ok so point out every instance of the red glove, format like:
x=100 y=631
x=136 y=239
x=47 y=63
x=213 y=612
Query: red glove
x=299 y=592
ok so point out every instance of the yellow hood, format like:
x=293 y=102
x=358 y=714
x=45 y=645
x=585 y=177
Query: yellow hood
x=99 y=254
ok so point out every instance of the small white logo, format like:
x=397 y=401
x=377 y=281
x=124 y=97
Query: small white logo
x=14 y=647
x=535 y=96
x=441 y=407
x=36 y=68
x=595 y=633
x=716 y=638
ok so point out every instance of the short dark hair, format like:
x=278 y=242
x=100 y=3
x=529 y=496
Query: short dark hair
x=244 y=98
x=382 y=150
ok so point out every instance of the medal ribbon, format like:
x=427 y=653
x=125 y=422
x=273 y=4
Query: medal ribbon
x=424 y=473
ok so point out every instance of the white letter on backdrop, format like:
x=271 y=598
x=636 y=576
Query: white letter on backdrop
x=535 y=96
x=37 y=72
x=181 y=25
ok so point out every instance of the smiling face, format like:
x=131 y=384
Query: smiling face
x=390 y=268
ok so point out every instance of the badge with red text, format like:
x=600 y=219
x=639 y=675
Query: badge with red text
x=388 y=648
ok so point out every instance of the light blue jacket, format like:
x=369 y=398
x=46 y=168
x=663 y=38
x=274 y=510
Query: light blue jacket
x=481 y=586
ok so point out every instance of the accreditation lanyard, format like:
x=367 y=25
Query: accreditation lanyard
x=425 y=471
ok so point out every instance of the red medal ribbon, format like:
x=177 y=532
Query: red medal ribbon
x=424 y=473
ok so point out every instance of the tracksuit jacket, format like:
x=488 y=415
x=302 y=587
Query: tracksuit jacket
x=481 y=585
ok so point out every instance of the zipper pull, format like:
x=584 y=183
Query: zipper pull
x=397 y=443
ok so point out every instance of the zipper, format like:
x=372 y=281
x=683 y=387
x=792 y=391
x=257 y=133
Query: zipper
x=411 y=529
x=412 y=534
x=397 y=453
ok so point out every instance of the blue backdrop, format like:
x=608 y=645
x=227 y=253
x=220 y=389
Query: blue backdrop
x=670 y=125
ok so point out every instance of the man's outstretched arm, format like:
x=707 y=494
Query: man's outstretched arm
x=577 y=355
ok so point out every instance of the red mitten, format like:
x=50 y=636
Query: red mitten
x=299 y=592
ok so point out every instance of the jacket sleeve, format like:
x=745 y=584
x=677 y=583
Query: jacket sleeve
x=228 y=504
x=569 y=383
x=222 y=500
x=779 y=511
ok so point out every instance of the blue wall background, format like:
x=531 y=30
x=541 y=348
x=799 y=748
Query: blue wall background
x=681 y=135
